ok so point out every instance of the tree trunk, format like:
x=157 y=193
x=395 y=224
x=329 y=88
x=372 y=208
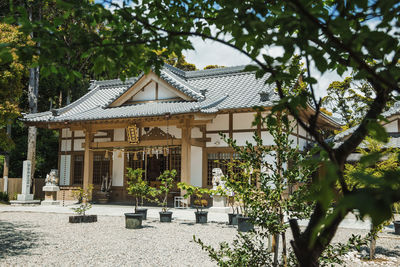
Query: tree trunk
x=6 y=165
x=276 y=250
x=33 y=90
x=284 y=250
x=372 y=244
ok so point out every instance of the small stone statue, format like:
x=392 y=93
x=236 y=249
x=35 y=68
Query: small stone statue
x=217 y=178
x=52 y=178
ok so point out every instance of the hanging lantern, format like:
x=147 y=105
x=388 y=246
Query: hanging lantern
x=106 y=155
x=135 y=156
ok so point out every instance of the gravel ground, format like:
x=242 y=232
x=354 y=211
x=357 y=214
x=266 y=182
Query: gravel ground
x=43 y=239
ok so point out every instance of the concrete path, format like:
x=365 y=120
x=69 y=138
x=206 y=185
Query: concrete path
x=349 y=222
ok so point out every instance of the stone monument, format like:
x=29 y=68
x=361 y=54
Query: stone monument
x=219 y=202
x=50 y=189
x=25 y=198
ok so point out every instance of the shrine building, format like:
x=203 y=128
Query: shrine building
x=156 y=122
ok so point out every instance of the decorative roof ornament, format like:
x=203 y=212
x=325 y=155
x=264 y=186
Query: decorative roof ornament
x=264 y=96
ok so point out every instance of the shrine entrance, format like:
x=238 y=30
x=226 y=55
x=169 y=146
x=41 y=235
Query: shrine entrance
x=155 y=161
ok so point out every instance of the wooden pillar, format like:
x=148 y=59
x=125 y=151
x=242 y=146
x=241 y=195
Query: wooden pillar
x=88 y=161
x=186 y=152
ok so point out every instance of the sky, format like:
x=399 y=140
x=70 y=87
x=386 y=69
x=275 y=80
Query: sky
x=212 y=53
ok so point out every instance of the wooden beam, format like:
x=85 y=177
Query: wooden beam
x=88 y=161
x=230 y=125
x=200 y=142
x=186 y=153
x=259 y=125
x=116 y=144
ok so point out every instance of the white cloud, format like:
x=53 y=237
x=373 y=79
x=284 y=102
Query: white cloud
x=213 y=53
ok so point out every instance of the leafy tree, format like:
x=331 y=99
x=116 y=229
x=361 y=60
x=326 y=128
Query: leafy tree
x=270 y=174
x=137 y=187
x=167 y=182
x=176 y=60
x=350 y=100
x=208 y=67
x=332 y=36
x=12 y=77
x=388 y=162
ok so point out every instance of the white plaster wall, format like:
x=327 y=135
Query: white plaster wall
x=243 y=121
x=66 y=133
x=391 y=127
x=66 y=145
x=65 y=169
x=118 y=169
x=119 y=134
x=196 y=133
x=100 y=134
x=79 y=134
x=164 y=93
x=267 y=138
x=220 y=122
x=172 y=130
x=148 y=93
x=241 y=138
x=302 y=132
x=78 y=144
x=216 y=141
x=102 y=139
x=196 y=175
x=302 y=143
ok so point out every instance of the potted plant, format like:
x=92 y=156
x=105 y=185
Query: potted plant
x=200 y=202
x=105 y=190
x=138 y=188
x=167 y=182
x=396 y=209
x=241 y=183
x=233 y=216
x=83 y=196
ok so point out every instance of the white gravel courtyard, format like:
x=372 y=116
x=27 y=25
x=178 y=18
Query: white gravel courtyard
x=48 y=239
x=44 y=239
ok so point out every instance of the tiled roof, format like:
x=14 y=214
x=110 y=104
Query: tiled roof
x=224 y=88
x=338 y=139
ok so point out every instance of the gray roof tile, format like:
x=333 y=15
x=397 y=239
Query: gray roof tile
x=225 y=88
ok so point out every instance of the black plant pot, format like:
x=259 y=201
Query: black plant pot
x=133 y=220
x=396 y=227
x=83 y=219
x=232 y=218
x=165 y=216
x=201 y=216
x=244 y=224
x=143 y=212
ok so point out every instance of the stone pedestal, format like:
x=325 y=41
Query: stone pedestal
x=25 y=198
x=50 y=197
x=219 y=204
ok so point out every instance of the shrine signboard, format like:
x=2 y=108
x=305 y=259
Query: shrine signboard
x=132 y=134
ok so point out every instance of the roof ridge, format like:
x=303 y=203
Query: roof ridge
x=216 y=71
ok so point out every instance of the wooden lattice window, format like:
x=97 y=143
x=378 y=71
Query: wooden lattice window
x=78 y=170
x=220 y=160
x=135 y=163
x=175 y=161
x=101 y=167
